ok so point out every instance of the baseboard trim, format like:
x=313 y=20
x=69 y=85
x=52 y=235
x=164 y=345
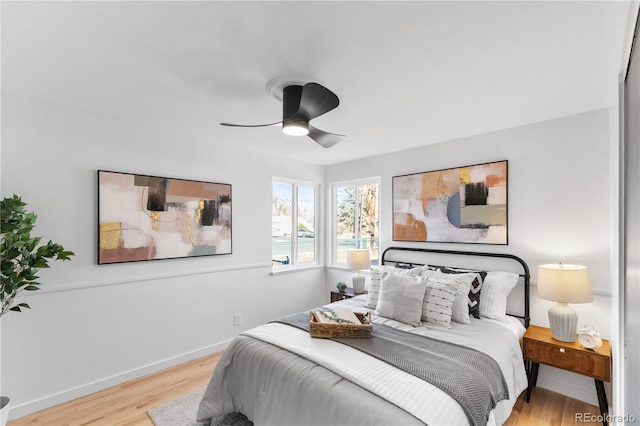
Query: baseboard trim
x=30 y=407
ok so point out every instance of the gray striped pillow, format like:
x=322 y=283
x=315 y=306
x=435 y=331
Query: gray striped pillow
x=374 y=289
x=438 y=302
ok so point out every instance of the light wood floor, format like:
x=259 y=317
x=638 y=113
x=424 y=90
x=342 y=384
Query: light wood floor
x=127 y=404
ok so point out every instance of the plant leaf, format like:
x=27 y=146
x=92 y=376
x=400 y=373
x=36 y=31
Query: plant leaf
x=21 y=254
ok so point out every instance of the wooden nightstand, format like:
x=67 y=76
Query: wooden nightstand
x=539 y=347
x=347 y=294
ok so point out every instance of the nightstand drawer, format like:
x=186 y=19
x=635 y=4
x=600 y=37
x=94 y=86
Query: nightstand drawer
x=578 y=361
x=337 y=295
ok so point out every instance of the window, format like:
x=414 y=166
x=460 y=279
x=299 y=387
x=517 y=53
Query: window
x=356 y=224
x=293 y=223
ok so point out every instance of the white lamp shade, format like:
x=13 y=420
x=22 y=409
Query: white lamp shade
x=358 y=259
x=564 y=283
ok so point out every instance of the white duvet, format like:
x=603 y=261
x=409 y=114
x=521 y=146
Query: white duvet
x=277 y=374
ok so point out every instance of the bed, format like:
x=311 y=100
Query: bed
x=467 y=370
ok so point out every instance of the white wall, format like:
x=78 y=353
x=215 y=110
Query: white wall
x=94 y=326
x=558 y=208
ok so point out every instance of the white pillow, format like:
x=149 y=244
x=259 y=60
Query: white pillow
x=376 y=276
x=374 y=288
x=495 y=289
x=438 y=300
x=462 y=284
x=415 y=271
x=401 y=298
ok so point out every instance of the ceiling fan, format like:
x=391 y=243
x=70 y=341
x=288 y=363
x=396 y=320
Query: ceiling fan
x=301 y=104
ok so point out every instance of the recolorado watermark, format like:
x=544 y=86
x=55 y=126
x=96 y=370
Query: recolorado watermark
x=593 y=418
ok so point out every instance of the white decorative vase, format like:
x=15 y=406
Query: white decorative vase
x=4 y=410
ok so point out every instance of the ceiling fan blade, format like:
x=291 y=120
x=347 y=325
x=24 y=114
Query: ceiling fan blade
x=250 y=125
x=324 y=139
x=316 y=100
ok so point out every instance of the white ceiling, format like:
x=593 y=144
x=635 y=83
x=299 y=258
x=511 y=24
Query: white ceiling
x=407 y=73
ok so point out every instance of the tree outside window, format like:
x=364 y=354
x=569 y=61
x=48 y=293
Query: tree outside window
x=356 y=219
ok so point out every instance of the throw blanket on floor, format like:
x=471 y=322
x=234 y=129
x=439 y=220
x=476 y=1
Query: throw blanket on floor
x=469 y=376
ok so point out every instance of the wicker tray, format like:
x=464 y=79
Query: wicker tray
x=357 y=331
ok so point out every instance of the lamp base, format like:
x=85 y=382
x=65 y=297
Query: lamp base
x=564 y=322
x=358 y=283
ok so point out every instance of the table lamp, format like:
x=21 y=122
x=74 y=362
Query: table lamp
x=358 y=260
x=564 y=284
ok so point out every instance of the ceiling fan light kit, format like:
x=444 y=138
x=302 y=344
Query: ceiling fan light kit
x=293 y=127
x=301 y=104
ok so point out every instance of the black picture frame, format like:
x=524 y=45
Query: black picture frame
x=467 y=204
x=142 y=217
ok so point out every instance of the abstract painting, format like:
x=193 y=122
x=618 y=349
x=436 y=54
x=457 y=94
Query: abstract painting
x=148 y=217
x=459 y=205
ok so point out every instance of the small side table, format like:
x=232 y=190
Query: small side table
x=337 y=295
x=540 y=348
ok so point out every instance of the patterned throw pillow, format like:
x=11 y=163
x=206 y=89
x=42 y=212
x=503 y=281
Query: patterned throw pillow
x=462 y=284
x=474 y=290
x=401 y=298
x=374 y=288
x=438 y=302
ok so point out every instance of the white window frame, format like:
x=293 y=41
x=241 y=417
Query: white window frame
x=293 y=263
x=334 y=214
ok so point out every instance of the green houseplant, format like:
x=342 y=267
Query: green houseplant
x=22 y=255
x=341 y=287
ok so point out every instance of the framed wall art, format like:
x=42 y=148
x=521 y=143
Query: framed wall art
x=459 y=205
x=148 y=218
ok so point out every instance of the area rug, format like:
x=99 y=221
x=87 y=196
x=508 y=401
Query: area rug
x=182 y=412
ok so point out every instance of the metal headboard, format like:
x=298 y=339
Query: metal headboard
x=525 y=275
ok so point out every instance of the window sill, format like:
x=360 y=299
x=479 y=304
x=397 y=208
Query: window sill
x=292 y=269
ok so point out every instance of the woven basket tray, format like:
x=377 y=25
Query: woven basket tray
x=324 y=330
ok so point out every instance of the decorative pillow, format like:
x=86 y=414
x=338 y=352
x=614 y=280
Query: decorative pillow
x=474 y=290
x=430 y=268
x=462 y=284
x=402 y=265
x=401 y=298
x=376 y=276
x=495 y=289
x=432 y=273
x=374 y=288
x=438 y=301
x=403 y=270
